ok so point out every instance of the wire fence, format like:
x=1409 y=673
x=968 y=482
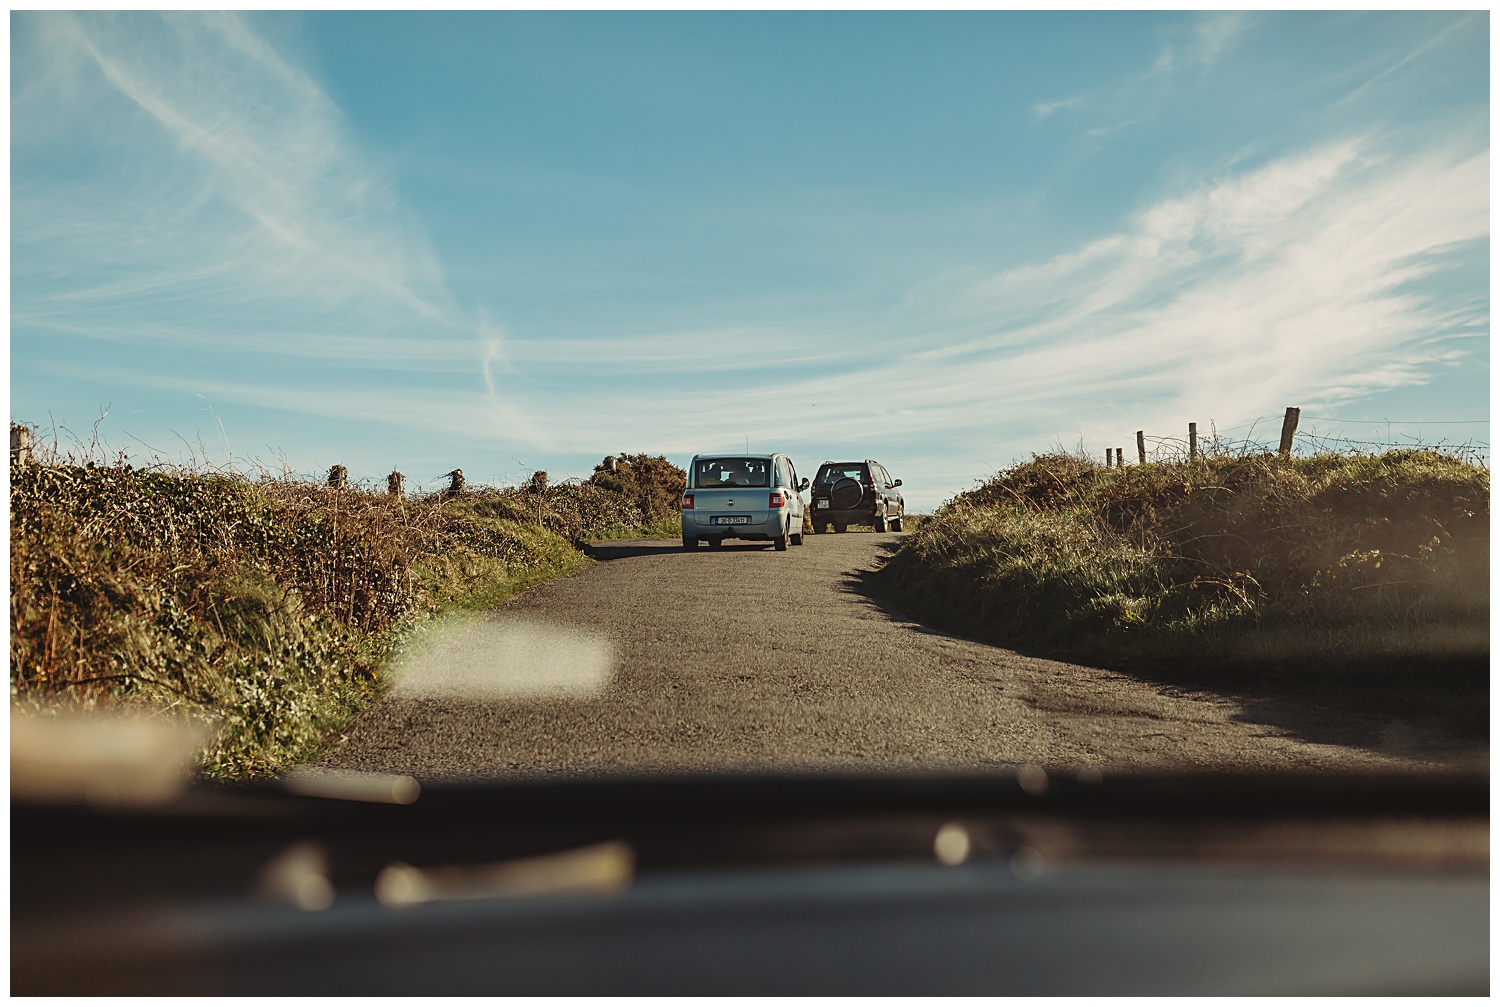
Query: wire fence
x=1258 y=437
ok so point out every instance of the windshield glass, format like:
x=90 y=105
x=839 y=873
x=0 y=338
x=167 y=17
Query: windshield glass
x=373 y=373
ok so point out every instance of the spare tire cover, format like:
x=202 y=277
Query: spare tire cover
x=846 y=493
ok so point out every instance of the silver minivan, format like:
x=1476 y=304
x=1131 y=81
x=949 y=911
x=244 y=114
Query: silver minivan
x=744 y=496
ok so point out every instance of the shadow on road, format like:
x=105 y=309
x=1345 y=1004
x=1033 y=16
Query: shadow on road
x=606 y=551
x=1320 y=718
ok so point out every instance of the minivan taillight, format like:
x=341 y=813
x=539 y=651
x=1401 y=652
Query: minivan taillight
x=687 y=501
x=777 y=500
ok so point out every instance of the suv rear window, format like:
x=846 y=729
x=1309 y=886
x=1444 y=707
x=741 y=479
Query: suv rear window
x=713 y=472
x=834 y=471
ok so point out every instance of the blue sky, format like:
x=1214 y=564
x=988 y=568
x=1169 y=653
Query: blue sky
x=507 y=241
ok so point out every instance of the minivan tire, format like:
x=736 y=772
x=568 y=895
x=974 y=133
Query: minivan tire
x=689 y=543
x=781 y=544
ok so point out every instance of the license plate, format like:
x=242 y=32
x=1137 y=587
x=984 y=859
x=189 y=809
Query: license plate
x=822 y=505
x=739 y=519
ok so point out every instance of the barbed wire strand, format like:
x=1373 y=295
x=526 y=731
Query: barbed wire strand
x=1402 y=423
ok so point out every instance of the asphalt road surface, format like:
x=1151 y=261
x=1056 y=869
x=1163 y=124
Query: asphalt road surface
x=744 y=658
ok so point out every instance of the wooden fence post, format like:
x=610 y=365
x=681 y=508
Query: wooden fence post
x=1140 y=445
x=1289 y=429
x=1109 y=458
x=456 y=483
x=338 y=477
x=1192 y=442
x=1119 y=458
x=20 y=444
x=539 y=487
x=395 y=484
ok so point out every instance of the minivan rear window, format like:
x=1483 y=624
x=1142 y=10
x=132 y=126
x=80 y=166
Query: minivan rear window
x=752 y=472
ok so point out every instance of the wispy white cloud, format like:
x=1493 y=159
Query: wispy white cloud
x=1292 y=283
x=1289 y=284
x=221 y=195
x=728 y=348
x=221 y=211
x=1215 y=33
x=1044 y=109
x=1426 y=47
x=1286 y=283
x=492 y=338
x=1210 y=36
x=1106 y=130
x=467 y=417
x=219 y=201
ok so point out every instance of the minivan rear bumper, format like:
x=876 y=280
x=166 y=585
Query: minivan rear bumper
x=762 y=526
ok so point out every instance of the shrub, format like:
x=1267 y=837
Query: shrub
x=650 y=482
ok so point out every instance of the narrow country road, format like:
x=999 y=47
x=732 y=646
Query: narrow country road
x=654 y=659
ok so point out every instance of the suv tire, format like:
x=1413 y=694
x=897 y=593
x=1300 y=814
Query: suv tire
x=880 y=524
x=689 y=543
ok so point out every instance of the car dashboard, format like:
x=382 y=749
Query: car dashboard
x=1012 y=882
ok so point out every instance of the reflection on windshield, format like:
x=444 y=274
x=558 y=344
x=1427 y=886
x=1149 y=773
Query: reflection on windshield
x=101 y=757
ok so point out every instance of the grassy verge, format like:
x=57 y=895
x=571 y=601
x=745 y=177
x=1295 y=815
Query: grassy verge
x=1364 y=576
x=267 y=609
x=668 y=527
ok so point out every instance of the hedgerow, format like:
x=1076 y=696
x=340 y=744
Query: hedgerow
x=265 y=608
x=1300 y=564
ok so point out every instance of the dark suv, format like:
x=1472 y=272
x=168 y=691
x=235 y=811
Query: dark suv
x=846 y=493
